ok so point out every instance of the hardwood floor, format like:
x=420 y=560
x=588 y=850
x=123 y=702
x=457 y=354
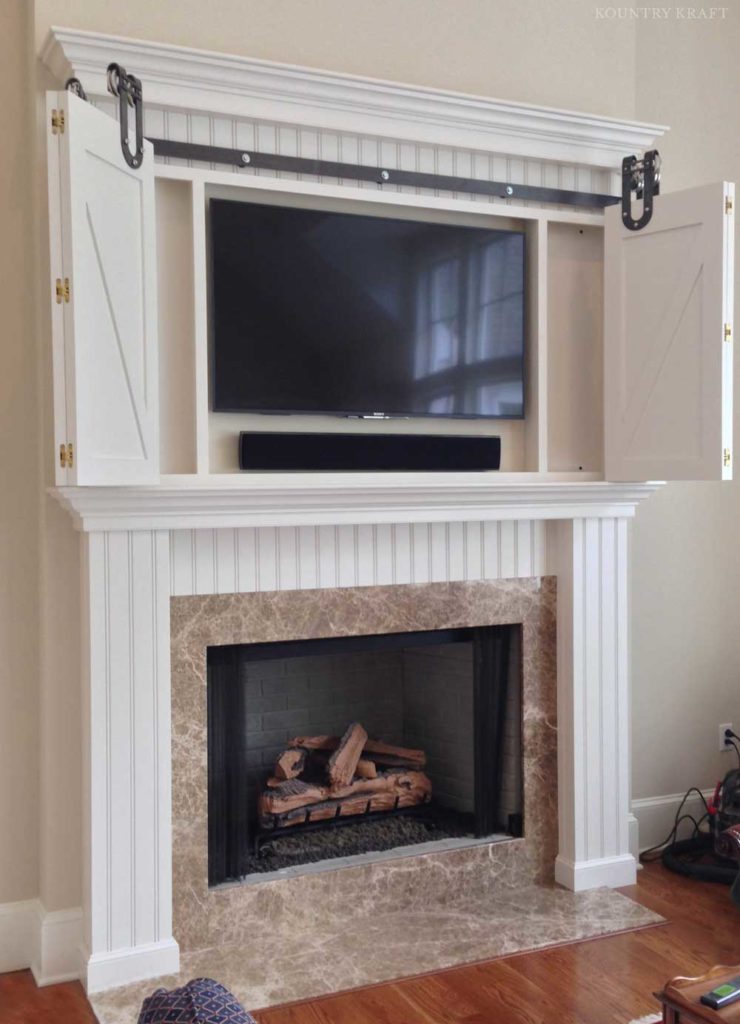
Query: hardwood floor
x=602 y=981
x=22 y=1003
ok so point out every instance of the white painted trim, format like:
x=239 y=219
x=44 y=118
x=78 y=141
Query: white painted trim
x=590 y=557
x=57 y=956
x=249 y=560
x=590 y=874
x=305 y=499
x=200 y=326
x=634 y=833
x=127 y=868
x=109 y=970
x=18 y=928
x=655 y=816
x=184 y=78
x=46 y=941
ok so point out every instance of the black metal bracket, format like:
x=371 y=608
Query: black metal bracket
x=641 y=177
x=128 y=90
x=379 y=175
x=75 y=85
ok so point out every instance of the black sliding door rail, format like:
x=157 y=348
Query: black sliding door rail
x=379 y=175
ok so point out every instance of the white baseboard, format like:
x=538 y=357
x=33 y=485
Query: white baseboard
x=655 y=816
x=136 y=963
x=57 y=954
x=46 y=941
x=633 y=826
x=18 y=929
x=591 y=874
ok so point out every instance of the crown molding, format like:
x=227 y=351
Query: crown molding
x=178 y=77
x=336 y=499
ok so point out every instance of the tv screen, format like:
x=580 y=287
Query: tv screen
x=326 y=312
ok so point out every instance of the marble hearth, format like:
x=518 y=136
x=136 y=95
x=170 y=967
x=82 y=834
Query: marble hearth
x=330 y=954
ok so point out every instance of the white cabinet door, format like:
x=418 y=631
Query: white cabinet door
x=104 y=313
x=668 y=292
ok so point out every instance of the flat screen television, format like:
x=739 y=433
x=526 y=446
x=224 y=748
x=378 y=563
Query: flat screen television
x=316 y=311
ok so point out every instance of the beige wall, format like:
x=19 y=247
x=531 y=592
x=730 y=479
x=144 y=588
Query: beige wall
x=686 y=546
x=686 y=649
x=19 y=415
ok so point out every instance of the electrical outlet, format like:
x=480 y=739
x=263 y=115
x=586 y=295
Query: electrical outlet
x=722 y=744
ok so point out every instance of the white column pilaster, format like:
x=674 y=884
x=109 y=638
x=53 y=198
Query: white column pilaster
x=591 y=561
x=127 y=883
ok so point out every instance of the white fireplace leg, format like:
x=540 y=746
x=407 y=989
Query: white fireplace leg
x=127 y=881
x=591 y=558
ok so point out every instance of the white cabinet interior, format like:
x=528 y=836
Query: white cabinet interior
x=564 y=270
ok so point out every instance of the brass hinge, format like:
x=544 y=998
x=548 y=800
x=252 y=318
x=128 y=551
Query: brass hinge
x=726 y=457
x=728 y=332
x=66 y=455
x=728 y=204
x=62 y=290
x=57 y=122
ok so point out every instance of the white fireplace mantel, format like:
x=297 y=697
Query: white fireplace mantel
x=291 y=499
x=143 y=545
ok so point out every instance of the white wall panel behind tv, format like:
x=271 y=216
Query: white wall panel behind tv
x=242 y=560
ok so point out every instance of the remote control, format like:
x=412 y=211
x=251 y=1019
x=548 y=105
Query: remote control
x=723 y=995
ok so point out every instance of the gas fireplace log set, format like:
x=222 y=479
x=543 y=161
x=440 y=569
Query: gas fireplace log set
x=322 y=777
x=264 y=815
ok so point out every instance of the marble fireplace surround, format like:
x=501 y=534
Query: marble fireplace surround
x=229 y=915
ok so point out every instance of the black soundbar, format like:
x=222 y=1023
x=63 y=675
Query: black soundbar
x=445 y=453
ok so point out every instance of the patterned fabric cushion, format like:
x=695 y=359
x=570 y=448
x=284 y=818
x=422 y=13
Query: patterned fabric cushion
x=202 y=1001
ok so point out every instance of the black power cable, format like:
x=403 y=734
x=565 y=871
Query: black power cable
x=730 y=737
x=735 y=747
x=688 y=856
x=671 y=837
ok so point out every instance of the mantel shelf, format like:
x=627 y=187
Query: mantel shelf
x=304 y=499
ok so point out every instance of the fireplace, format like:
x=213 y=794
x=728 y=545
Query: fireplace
x=366 y=623
x=332 y=747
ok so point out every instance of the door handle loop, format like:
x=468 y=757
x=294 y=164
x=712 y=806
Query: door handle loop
x=643 y=178
x=128 y=90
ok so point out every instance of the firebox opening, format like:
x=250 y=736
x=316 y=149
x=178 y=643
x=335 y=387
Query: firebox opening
x=328 y=748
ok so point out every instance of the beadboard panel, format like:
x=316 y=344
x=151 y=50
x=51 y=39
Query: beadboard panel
x=391 y=153
x=591 y=562
x=231 y=561
x=127 y=741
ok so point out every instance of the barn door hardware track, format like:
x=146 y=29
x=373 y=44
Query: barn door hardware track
x=640 y=178
x=378 y=175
